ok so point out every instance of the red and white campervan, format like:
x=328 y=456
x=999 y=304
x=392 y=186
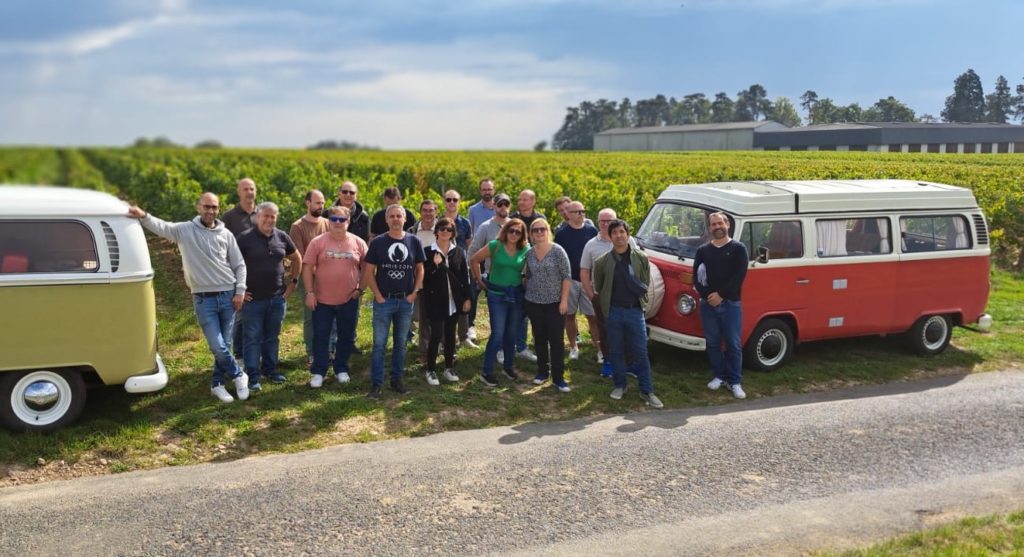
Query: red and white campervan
x=828 y=259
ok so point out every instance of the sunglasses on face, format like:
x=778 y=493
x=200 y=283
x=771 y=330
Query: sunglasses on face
x=347 y=192
x=337 y=219
x=536 y=230
x=604 y=221
x=211 y=207
x=445 y=229
x=451 y=199
x=503 y=203
x=515 y=231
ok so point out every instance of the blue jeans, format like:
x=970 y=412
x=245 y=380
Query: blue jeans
x=505 y=317
x=626 y=327
x=307 y=324
x=397 y=312
x=216 y=317
x=326 y=320
x=238 y=337
x=521 y=331
x=722 y=325
x=261 y=321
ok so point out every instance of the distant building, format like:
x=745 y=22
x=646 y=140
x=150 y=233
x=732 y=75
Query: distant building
x=900 y=137
x=692 y=137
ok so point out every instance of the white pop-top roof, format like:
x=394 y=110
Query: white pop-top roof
x=36 y=201
x=820 y=196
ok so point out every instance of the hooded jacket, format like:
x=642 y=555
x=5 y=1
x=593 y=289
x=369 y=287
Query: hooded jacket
x=358 y=221
x=210 y=257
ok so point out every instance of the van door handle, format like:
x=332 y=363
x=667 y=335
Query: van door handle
x=803 y=281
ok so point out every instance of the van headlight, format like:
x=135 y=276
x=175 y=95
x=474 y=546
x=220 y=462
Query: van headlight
x=685 y=304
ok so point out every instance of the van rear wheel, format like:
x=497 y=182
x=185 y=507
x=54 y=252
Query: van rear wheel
x=41 y=400
x=769 y=346
x=931 y=334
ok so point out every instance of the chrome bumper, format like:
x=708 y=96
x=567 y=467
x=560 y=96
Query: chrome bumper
x=149 y=382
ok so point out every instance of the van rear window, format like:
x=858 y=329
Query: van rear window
x=784 y=239
x=47 y=247
x=934 y=233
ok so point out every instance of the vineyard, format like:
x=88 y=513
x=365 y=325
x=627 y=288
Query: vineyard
x=168 y=181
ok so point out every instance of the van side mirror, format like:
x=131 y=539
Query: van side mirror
x=762 y=254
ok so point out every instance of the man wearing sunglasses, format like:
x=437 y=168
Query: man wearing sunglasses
x=332 y=275
x=573 y=237
x=358 y=220
x=215 y=273
x=424 y=230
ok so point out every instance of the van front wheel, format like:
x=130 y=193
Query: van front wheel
x=769 y=345
x=41 y=400
x=930 y=335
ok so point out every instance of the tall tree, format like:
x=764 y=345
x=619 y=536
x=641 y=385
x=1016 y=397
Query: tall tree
x=752 y=103
x=783 y=112
x=999 y=104
x=967 y=103
x=807 y=101
x=822 y=111
x=627 y=115
x=722 y=109
x=889 y=110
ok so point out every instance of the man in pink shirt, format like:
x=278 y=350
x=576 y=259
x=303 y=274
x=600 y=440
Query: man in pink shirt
x=331 y=275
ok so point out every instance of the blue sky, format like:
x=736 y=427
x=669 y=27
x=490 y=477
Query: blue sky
x=434 y=74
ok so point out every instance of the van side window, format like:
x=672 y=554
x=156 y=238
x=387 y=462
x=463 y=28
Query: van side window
x=784 y=239
x=859 y=236
x=47 y=247
x=934 y=233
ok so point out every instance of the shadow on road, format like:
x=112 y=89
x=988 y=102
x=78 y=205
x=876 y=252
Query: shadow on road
x=677 y=418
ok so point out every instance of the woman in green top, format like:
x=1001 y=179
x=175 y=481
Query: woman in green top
x=504 y=294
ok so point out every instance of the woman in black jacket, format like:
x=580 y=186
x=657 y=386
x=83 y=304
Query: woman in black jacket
x=445 y=295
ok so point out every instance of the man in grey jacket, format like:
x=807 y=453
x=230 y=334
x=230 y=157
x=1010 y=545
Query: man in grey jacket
x=215 y=273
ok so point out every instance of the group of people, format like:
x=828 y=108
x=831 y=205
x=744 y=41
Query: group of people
x=432 y=270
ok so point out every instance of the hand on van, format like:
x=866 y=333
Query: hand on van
x=135 y=212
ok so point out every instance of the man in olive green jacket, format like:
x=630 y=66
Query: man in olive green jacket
x=621 y=278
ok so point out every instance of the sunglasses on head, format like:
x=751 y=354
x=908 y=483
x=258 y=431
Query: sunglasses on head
x=333 y=218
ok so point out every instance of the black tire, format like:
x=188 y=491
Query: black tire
x=769 y=346
x=41 y=400
x=930 y=335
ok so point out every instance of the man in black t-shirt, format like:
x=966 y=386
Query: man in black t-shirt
x=719 y=268
x=394 y=273
x=379 y=223
x=263 y=249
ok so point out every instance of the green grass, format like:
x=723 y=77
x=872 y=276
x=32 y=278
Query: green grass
x=184 y=424
x=981 y=537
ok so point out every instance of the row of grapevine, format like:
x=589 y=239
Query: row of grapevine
x=168 y=181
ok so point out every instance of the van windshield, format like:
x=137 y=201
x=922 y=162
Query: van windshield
x=674 y=228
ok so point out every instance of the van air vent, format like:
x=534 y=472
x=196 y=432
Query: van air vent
x=980 y=228
x=115 y=252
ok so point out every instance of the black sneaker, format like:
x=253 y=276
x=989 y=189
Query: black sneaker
x=278 y=378
x=488 y=380
x=398 y=387
x=374 y=392
x=511 y=374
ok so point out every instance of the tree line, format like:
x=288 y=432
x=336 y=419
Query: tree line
x=968 y=103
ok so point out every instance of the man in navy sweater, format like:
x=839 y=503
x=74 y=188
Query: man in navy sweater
x=720 y=267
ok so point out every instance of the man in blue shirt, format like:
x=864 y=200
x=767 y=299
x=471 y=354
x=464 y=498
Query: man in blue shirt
x=479 y=213
x=573 y=237
x=394 y=273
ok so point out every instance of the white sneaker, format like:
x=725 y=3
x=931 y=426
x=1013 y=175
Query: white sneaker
x=527 y=354
x=432 y=379
x=468 y=343
x=574 y=353
x=220 y=392
x=715 y=383
x=737 y=391
x=342 y=377
x=316 y=381
x=242 y=386
x=449 y=375
x=501 y=356
x=471 y=334
x=600 y=357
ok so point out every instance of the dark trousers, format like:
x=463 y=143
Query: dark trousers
x=439 y=327
x=548 y=338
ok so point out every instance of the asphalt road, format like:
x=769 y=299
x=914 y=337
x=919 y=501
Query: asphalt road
x=771 y=476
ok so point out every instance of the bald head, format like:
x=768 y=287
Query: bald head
x=208 y=207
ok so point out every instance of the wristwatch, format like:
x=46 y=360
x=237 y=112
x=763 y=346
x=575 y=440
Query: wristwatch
x=295 y=280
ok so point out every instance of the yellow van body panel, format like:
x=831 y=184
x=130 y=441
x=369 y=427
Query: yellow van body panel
x=109 y=327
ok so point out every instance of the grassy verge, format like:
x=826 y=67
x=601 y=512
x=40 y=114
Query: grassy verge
x=990 y=535
x=184 y=424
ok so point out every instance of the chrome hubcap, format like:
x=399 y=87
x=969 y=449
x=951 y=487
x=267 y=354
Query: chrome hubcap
x=41 y=396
